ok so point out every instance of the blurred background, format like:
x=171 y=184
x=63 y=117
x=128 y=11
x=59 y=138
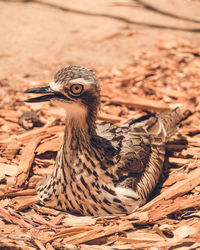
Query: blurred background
x=39 y=37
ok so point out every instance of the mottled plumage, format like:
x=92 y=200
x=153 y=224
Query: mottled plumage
x=102 y=169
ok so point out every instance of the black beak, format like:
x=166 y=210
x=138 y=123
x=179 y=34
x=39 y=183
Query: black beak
x=49 y=94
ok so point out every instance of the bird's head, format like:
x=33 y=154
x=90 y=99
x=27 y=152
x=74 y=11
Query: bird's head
x=74 y=88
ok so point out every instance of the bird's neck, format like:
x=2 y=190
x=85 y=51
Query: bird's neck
x=79 y=130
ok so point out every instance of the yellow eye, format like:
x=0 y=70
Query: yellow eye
x=76 y=89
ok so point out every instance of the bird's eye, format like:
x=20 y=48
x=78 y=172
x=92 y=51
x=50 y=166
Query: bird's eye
x=76 y=89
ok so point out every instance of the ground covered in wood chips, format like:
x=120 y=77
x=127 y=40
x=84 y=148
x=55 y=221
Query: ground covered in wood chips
x=30 y=135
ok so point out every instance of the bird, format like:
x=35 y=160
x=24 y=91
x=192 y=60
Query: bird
x=101 y=169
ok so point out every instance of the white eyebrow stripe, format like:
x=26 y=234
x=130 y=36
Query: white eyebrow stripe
x=55 y=86
x=81 y=81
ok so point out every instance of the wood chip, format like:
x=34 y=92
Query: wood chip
x=49 y=246
x=46 y=210
x=12 y=149
x=40 y=245
x=52 y=144
x=183 y=232
x=21 y=203
x=95 y=233
x=109 y=118
x=165 y=208
x=148 y=237
x=25 y=192
x=176 y=190
x=40 y=132
x=77 y=221
x=41 y=220
x=13 y=219
x=8 y=169
x=26 y=161
x=140 y=103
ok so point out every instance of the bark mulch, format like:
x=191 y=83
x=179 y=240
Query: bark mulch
x=30 y=135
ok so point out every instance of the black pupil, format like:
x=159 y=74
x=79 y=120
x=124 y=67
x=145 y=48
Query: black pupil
x=77 y=88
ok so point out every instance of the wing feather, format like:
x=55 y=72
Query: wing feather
x=140 y=147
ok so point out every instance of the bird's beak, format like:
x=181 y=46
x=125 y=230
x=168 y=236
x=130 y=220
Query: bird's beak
x=49 y=94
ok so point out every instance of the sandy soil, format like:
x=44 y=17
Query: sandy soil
x=38 y=37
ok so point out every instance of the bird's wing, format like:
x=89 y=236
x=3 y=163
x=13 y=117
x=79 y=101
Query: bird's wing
x=141 y=148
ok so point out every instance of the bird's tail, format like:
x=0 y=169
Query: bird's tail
x=168 y=123
x=163 y=125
